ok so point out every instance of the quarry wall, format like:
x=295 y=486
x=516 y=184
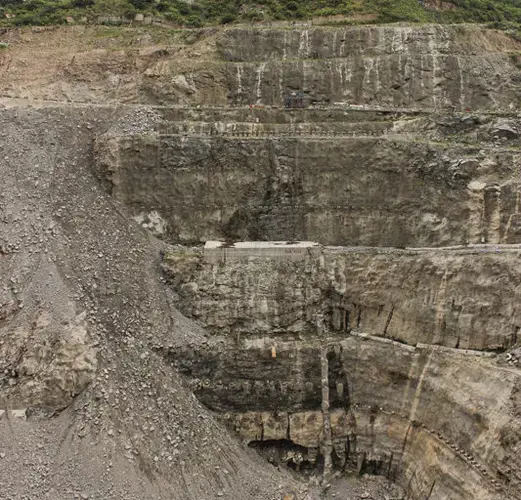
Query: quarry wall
x=387 y=359
x=418 y=416
x=338 y=190
x=429 y=67
x=395 y=66
x=407 y=398
x=464 y=298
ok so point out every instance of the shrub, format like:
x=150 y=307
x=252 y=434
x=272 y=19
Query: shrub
x=80 y=4
x=141 y=4
x=504 y=14
x=228 y=18
x=194 y=22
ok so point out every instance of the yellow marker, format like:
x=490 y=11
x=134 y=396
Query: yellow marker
x=273 y=352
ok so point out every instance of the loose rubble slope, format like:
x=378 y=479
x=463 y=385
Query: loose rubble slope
x=82 y=312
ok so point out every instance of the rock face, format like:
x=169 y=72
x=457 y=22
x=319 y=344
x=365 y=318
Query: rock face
x=424 y=67
x=385 y=359
x=434 y=418
x=369 y=169
x=51 y=370
x=389 y=190
x=427 y=67
x=397 y=411
x=466 y=298
x=395 y=352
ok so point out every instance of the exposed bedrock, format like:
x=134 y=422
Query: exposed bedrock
x=378 y=191
x=439 y=420
x=467 y=298
x=429 y=67
x=422 y=417
x=330 y=42
x=425 y=67
x=389 y=360
x=385 y=360
x=385 y=174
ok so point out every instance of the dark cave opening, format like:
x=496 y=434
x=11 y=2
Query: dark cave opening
x=285 y=452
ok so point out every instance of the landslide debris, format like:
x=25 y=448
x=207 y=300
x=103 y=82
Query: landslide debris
x=83 y=311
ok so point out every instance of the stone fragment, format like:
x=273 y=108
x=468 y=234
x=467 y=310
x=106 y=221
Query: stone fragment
x=505 y=129
x=19 y=414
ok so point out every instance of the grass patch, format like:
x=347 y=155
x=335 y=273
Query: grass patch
x=500 y=14
x=516 y=59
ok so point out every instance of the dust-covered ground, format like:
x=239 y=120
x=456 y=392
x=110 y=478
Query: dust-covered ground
x=84 y=314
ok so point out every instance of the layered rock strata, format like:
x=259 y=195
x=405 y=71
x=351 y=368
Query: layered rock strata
x=464 y=297
x=412 y=389
x=373 y=360
x=392 y=190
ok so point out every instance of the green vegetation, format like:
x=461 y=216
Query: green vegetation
x=503 y=14
x=516 y=58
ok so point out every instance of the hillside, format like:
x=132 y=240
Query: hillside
x=504 y=14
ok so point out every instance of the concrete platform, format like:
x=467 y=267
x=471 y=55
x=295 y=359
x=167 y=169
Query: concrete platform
x=220 y=252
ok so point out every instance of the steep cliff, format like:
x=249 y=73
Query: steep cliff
x=369 y=359
x=439 y=420
x=416 y=145
x=466 y=298
x=396 y=189
x=426 y=67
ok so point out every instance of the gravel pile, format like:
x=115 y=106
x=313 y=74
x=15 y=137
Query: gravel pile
x=79 y=277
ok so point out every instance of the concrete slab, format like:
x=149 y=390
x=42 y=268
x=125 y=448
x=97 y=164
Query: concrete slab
x=220 y=251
